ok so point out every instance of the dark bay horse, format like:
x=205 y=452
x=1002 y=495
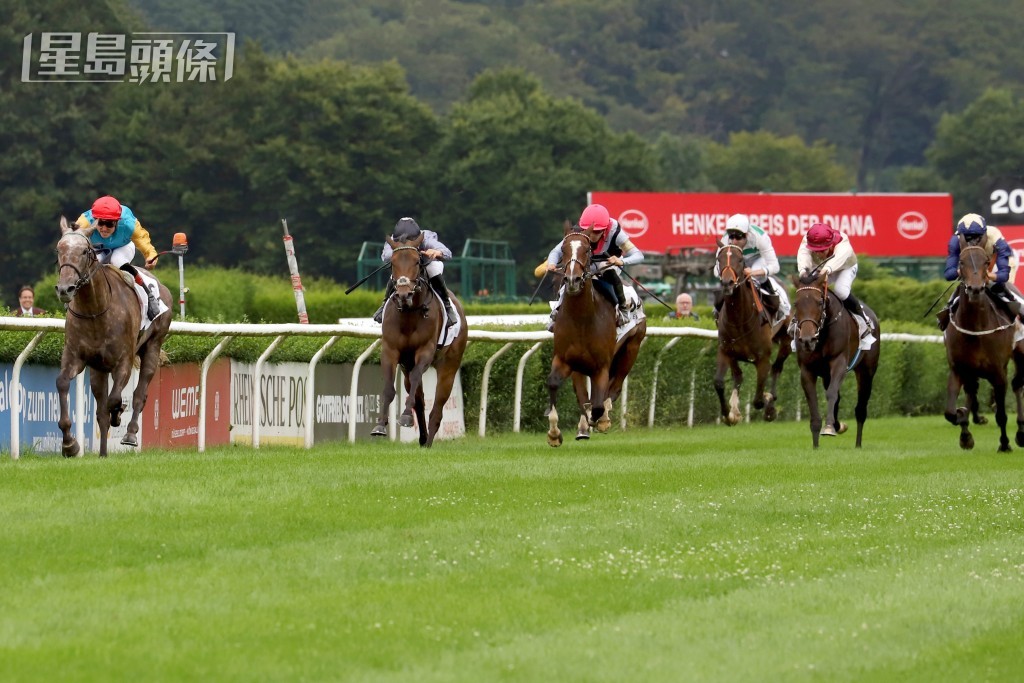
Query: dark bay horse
x=102 y=333
x=746 y=334
x=828 y=346
x=411 y=327
x=584 y=343
x=979 y=344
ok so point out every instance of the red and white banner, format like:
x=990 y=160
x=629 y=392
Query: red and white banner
x=878 y=224
x=1014 y=236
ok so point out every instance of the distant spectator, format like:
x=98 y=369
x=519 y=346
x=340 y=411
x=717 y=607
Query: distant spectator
x=684 y=308
x=26 y=303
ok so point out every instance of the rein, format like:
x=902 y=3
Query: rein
x=403 y=280
x=83 y=280
x=820 y=323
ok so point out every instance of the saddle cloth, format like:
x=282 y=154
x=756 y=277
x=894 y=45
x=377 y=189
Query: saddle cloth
x=141 y=295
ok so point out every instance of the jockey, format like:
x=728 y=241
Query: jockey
x=759 y=260
x=117 y=235
x=612 y=247
x=976 y=232
x=407 y=229
x=829 y=251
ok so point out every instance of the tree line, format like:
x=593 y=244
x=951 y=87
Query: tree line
x=343 y=149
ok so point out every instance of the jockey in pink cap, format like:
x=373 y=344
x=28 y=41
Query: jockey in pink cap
x=826 y=250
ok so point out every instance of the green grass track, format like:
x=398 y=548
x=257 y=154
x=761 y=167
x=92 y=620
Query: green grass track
x=710 y=554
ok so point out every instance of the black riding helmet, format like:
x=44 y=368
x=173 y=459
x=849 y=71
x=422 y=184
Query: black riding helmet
x=405 y=229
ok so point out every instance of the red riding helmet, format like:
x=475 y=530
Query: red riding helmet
x=822 y=237
x=106 y=208
x=595 y=217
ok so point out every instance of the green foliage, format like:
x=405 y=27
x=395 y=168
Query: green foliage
x=753 y=162
x=976 y=146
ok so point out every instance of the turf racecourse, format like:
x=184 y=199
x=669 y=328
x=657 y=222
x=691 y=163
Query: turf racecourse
x=649 y=555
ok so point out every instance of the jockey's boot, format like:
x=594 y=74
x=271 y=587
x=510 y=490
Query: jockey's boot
x=379 y=315
x=152 y=307
x=943 y=318
x=854 y=306
x=442 y=291
x=622 y=310
x=770 y=300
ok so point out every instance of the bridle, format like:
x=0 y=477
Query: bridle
x=737 y=276
x=819 y=324
x=965 y=249
x=404 y=280
x=585 y=272
x=84 y=279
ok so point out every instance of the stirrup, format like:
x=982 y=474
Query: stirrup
x=379 y=315
x=152 y=310
x=621 y=315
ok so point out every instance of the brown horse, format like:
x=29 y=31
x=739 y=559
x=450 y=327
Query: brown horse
x=979 y=344
x=585 y=345
x=745 y=333
x=828 y=346
x=411 y=328
x=102 y=333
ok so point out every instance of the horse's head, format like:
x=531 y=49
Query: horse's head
x=407 y=269
x=729 y=259
x=576 y=256
x=810 y=310
x=76 y=260
x=974 y=267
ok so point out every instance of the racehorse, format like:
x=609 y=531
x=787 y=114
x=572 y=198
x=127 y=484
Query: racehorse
x=745 y=333
x=979 y=344
x=585 y=345
x=102 y=332
x=828 y=346
x=411 y=330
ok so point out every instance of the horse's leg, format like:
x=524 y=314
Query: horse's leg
x=70 y=367
x=413 y=381
x=598 y=393
x=121 y=375
x=999 y=389
x=389 y=365
x=147 y=369
x=721 y=364
x=808 y=381
x=98 y=384
x=583 y=396
x=1017 y=385
x=734 y=399
x=762 y=365
x=446 y=371
x=770 y=411
x=865 y=381
x=958 y=416
x=420 y=406
x=559 y=371
x=837 y=371
x=605 y=423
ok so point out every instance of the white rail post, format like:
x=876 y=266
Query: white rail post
x=204 y=372
x=483 y=386
x=353 y=390
x=15 y=396
x=310 y=393
x=519 y=385
x=257 y=371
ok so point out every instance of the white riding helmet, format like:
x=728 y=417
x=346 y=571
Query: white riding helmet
x=738 y=222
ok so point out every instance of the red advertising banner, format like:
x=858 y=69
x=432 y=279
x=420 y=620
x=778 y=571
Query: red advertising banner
x=171 y=416
x=1014 y=235
x=878 y=224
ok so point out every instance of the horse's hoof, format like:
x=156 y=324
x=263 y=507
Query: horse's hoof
x=980 y=420
x=581 y=435
x=130 y=440
x=115 y=419
x=603 y=425
x=405 y=420
x=71 y=450
x=770 y=413
x=842 y=428
x=828 y=430
x=379 y=430
x=1004 y=448
x=555 y=441
x=758 y=404
x=966 y=442
x=1020 y=439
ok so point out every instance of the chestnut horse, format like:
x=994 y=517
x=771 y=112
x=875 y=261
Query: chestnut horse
x=585 y=345
x=412 y=325
x=979 y=344
x=828 y=346
x=745 y=333
x=102 y=333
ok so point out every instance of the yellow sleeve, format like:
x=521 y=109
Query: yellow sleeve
x=541 y=269
x=141 y=239
x=82 y=221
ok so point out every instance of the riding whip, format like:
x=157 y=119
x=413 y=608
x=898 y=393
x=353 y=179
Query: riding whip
x=540 y=284
x=372 y=273
x=939 y=299
x=653 y=295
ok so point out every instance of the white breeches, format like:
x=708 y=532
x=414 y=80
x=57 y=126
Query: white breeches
x=435 y=268
x=117 y=257
x=842 y=282
x=784 y=306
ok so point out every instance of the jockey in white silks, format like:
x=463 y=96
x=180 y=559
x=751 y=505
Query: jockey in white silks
x=759 y=259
